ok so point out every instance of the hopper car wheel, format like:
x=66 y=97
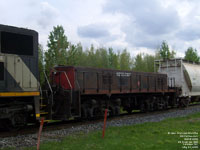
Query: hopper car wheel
x=142 y=107
x=111 y=111
x=83 y=113
x=184 y=102
x=97 y=112
x=90 y=113
x=117 y=110
x=166 y=105
x=129 y=110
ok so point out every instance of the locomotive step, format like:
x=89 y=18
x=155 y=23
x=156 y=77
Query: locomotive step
x=46 y=121
x=43 y=113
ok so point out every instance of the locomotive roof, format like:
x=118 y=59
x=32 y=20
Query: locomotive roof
x=13 y=29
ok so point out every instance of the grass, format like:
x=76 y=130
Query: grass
x=147 y=136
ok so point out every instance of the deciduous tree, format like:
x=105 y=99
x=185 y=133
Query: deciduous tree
x=41 y=64
x=191 y=55
x=57 y=48
x=164 y=51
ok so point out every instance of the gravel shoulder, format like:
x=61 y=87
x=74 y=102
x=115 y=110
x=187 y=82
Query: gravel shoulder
x=20 y=141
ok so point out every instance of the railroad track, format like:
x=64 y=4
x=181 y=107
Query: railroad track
x=59 y=125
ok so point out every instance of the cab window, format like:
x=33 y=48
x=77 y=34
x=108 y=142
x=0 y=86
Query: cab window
x=20 y=44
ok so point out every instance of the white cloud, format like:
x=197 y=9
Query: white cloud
x=138 y=25
x=46 y=15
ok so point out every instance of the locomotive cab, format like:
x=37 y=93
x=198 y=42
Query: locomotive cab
x=19 y=87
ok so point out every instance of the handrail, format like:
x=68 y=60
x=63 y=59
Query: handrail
x=40 y=89
x=51 y=96
x=78 y=85
x=69 y=85
x=41 y=95
x=171 y=82
x=68 y=80
x=48 y=82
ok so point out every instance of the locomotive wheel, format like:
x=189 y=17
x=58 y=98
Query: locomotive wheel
x=15 y=122
x=9 y=126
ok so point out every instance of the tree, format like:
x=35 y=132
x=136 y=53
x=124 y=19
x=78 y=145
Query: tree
x=80 y=56
x=57 y=48
x=144 y=62
x=191 y=55
x=125 y=60
x=102 y=58
x=91 y=57
x=165 y=52
x=71 y=55
x=138 y=63
x=113 y=58
x=41 y=64
x=149 y=63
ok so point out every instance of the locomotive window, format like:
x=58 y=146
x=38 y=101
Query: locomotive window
x=1 y=71
x=12 y=43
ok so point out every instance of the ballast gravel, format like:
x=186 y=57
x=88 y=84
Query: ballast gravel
x=20 y=141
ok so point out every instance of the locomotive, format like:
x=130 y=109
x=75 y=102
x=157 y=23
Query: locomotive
x=19 y=86
x=83 y=92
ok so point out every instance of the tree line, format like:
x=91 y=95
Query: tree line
x=62 y=52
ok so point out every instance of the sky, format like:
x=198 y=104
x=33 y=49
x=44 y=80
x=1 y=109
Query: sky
x=140 y=26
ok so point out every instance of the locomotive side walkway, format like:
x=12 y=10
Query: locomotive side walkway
x=140 y=131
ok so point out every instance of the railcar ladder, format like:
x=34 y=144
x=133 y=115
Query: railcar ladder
x=46 y=101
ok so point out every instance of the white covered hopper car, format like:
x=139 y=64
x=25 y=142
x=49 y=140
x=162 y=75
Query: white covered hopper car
x=186 y=76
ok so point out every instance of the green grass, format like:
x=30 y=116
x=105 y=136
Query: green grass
x=147 y=136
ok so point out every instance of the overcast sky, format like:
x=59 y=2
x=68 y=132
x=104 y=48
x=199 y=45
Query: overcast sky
x=138 y=25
